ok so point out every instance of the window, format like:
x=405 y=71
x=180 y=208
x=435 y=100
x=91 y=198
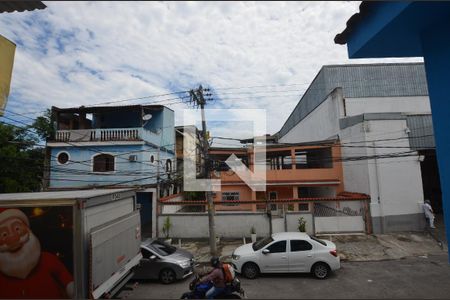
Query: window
x=168 y=166
x=278 y=247
x=303 y=206
x=279 y=160
x=162 y=248
x=319 y=241
x=146 y=253
x=313 y=158
x=230 y=196
x=63 y=158
x=104 y=163
x=300 y=245
x=261 y=243
x=300 y=159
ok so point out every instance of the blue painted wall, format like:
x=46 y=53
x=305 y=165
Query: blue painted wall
x=78 y=172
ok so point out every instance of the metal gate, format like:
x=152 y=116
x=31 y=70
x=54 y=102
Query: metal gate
x=339 y=217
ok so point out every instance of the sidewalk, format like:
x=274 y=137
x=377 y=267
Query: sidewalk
x=350 y=247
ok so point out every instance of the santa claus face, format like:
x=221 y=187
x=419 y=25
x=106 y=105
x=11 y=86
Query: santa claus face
x=13 y=235
x=19 y=248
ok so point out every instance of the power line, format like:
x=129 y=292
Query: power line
x=143 y=97
x=74 y=145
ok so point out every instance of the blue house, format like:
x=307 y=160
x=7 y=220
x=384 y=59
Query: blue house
x=113 y=146
x=411 y=29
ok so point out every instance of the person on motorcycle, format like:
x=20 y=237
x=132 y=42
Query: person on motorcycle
x=217 y=277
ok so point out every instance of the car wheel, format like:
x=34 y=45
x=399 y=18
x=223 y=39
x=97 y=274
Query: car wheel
x=320 y=270
x=167 y=276
x=250 y=270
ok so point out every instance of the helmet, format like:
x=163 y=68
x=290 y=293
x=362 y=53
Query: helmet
x=215 y=261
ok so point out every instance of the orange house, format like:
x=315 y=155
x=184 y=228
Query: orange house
x=293 y=172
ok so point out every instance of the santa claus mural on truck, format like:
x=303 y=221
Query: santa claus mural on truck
x=25 y=270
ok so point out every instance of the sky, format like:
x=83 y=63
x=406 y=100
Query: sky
x=252 y=55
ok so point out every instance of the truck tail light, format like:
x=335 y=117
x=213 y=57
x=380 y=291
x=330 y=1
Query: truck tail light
x=334 y=253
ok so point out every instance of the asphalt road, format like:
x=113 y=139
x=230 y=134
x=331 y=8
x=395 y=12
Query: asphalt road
x=416 y=277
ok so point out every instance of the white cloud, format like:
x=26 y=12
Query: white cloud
x=81 y=53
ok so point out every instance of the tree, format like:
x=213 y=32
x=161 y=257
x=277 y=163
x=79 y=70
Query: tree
x=44 y=125
x=21 y=162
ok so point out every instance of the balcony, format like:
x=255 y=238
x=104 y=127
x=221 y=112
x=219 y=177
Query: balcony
x=288 y=175
x=107 y=135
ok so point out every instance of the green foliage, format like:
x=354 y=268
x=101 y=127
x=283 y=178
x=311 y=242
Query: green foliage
x=290 y=207
x=167 y=226
x=301 y=224
x=21 y=162
x=44 y=126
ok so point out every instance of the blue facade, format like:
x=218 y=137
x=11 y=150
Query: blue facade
x=134 y=145
x=406 y=29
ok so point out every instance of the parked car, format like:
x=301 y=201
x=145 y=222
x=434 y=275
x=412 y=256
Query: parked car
x=164 y=262
x=287 y=252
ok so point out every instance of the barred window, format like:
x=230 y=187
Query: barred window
x=230 y=196
x=103 y=163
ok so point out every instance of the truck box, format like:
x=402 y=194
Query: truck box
x=68 y=244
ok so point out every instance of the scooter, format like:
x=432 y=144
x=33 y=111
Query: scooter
x=232 y=290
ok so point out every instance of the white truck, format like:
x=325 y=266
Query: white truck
x=89 y=242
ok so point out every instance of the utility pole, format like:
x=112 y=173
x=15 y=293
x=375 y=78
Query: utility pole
x=198 y=99
x=157 y=208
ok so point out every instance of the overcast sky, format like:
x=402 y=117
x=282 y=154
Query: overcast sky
x=73 y=53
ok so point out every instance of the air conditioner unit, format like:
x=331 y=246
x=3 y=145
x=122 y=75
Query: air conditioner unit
x=132 y=158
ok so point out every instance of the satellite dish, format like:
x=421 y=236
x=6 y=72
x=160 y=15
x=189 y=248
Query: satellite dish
x=147 y=117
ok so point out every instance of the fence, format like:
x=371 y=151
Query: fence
x=324 y=217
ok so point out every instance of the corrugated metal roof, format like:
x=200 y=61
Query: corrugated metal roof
x=360 y=81
x=422 y=135
x=60 y=195
x=11 y=6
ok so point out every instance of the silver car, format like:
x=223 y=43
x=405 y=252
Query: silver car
x=164 y=262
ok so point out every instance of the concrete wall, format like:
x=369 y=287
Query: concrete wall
x=339 y=224
x=292 y=221
x=320 y=124
x=394 y=184
x=238 y=224
x=417 y=104
x=356 y=173
x=228 y=225
x=171 y=209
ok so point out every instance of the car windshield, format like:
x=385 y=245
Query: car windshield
x=162 y=248
x=317 y=240
x=259 y=244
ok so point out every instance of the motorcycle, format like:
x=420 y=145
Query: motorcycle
x=233 y=290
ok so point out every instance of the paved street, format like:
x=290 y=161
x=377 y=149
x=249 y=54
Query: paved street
x=415 y=277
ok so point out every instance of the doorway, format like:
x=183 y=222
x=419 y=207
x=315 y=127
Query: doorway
x=145 y=201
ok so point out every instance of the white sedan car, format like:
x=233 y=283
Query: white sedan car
x=286 y=252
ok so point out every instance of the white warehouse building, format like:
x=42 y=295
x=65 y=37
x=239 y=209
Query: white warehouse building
x=382 y=117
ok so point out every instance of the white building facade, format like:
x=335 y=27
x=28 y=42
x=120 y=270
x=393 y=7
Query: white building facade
x=368 y=107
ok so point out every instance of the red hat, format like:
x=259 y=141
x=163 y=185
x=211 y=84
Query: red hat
x=6 y=213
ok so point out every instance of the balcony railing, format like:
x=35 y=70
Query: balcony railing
x=104 y=135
